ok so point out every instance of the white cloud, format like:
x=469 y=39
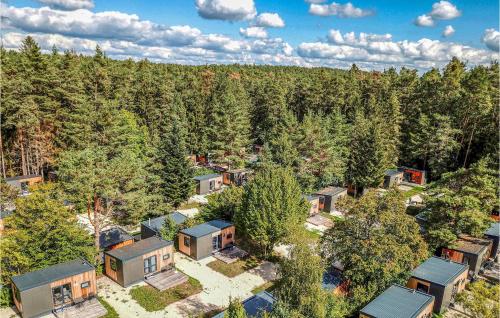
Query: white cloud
x=491 y=38
x=228 y=10
x=380 y=49
x=448 y=31
x=444 y=10
x=347 y=10
x=68 y=4
x=424 y=20
x=269 y=20
x=253 y=32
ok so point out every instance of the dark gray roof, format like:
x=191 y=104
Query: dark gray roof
x=113 y=236
x=138 y=249
x=50 y=274
x=332 y=279
x=392 y=172
x=206 y=228
x=156 y=223
x=494 y=230
x=439 y=271
x=255 y=305
x=398 y=302
x=310 y=197
x=29 y=176
x=331 y=191
x=470 y=244
x=207 y=177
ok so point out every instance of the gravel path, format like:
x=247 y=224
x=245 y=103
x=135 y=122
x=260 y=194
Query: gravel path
x=217 y=289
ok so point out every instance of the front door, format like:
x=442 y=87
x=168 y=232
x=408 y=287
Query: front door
x=150 y=265
x=61 y=295
x=212 y=185
x=217 y=242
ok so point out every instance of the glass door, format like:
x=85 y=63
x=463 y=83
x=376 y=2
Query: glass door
x=150 y=265
x=61 y=295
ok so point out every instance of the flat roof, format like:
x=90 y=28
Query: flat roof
x=239 y=170
x=207 y=177
x=51 y=274
x=311 y=197
x=472 y=245
x=113 y=236
x=392 y=172
x=156 y=223
x=398 y=302
x=28 y=176
x=138 y=249
x=494 y=230
x=331 y=191
x=439 y=270
x=207 y=228
x=255 y=305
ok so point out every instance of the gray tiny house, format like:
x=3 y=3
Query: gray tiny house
x=208 y=183
x=151 y=227
x=132 y=263
x=329 y=196
x=202 y=240
x=493 y=233
x=43 y=291
x=392 y=177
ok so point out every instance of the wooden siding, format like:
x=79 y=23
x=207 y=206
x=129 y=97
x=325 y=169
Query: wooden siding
x=314 y=209
x=226 y=178
x=183 y=248
x=452 y=255
x=107 y=268
x=17 y=302
x=225 y=232
x=412 y=283
x=161 y=263
x=76 y=281
x=122 y=244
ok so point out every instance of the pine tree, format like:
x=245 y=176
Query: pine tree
x=235 y=309
x=176 y=171
x=168 y=229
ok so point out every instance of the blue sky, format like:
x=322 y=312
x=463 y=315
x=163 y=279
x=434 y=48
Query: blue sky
x=227 y=31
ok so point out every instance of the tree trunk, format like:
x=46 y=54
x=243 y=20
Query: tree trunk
x=95 y=222
x=2 y=158
x=23 y=158
x=469 y=143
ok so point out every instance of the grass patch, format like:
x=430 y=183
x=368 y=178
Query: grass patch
x=269 y=287
x=111 y=311
x=190 y=205
x=413 y=191
x=152 y=299
x=314 y=235
x=236 y=268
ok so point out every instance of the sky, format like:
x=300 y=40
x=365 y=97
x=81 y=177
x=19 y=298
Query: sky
x=375 y=35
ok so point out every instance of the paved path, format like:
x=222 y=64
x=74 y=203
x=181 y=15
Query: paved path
x=217 y=289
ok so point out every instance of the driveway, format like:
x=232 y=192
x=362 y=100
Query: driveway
x=217 y=289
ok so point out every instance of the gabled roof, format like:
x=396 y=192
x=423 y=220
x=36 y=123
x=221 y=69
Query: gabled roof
x=156 y=223
x=255 y=305
x=494 y=230
x=331 y=191
x=207 y=228
x=113 y=236
x=472 y=245
x=138 y=249
x=29 y=176
x=207 y=177
x=398 y=302
x=439 y=271
x=51 y=274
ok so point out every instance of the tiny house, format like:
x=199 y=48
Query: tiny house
x=40 y=292
x=256 y=306
x=313 y=202
x=113 y=238
x=392 y=177
x=440 y=278
x=493 y=233
x=401 y=302
x=329 y=196
x=469 y=250
x=202 y=240
x=132 y=263
x=208 y=183
x=237 y=177
x=152 y=227
x=24 y=182
x=413 y=175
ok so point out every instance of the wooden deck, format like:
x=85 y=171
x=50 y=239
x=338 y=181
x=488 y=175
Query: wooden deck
x=320 y=220
x=89 y=309
x=165 y=280
x=230 y=254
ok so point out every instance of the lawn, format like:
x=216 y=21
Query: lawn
x=236 y=268
x=413 y=191
x=111 y=311
x=314 y=235
x=152 y=299
x=269 y=287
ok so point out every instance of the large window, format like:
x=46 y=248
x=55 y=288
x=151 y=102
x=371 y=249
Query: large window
x=61 y=294
x=422 y=287
x=186 y=241
x=150 y=265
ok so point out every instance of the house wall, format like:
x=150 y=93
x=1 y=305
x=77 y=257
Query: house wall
x=314 y=209
x=427 y=311
x=29 y=181
x=183 y=248
x=108 y=271
x=203 y=186
x=494 y=246
x=36 y=301
x=121 y=244
x=226 y=178
x=204 y=246
x=146 y=232
x=76 y=281
x=225 y=240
